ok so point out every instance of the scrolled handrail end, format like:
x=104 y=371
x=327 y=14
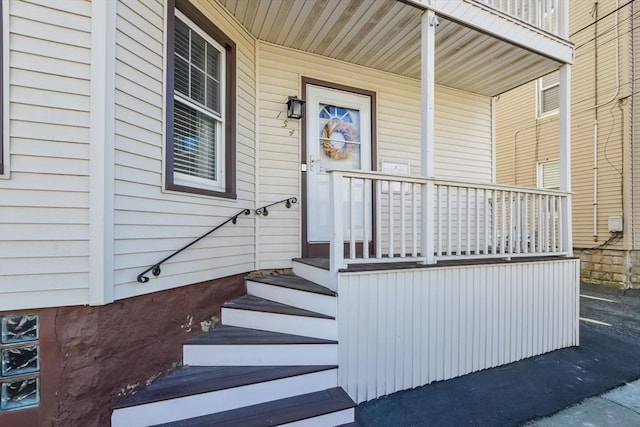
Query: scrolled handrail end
x=142 y=278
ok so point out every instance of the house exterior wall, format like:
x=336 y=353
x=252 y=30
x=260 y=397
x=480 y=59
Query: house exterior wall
x=151 y=223
x=463 y=134
x=601 y=77
x=44 y=213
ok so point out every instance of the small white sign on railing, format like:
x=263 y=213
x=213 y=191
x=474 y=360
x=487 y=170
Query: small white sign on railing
x=395 y=168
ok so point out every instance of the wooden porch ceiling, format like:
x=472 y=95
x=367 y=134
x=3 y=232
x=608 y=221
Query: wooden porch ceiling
x=385 y=35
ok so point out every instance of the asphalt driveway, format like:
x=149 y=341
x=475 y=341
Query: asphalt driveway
x=511 y=395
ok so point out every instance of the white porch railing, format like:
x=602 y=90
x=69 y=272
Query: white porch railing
x=543 y=14
x=470 y=220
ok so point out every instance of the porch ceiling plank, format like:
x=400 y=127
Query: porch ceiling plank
x=377 y=32
x=385 y=35
x=338 y=28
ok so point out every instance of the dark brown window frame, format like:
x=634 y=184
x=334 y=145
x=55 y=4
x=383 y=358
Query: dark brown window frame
x=198 y=18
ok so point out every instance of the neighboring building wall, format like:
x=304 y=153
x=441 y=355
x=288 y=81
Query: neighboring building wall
x=463 y=133
x=523 y=139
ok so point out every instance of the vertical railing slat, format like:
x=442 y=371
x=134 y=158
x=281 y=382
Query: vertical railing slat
x=503 y=225
x=390 y=213
x=477 y=209
x=403 y=222
x=414 y=220
x=458 y=221
x=467 y=231
x=366 y=197
x=378 y=219
x=352 y=218
x=448 y=225
x=438 y=218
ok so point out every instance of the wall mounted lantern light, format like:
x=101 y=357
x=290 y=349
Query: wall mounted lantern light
x=295 y=107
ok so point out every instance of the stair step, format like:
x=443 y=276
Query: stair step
x=295 y=291
x=324 y=408
x=253 y=303
x=292 y=281
x=258 y=313
x=314 y=269
x=233 y=346
x=194 y=391
x=232 y=335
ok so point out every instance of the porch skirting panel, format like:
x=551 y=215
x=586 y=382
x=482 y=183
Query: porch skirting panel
x=405 y=328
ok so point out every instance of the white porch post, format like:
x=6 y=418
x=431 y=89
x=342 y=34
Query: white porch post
x=427 y=78
x=336 y=244
x=565 y=156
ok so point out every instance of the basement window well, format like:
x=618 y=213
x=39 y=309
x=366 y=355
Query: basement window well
x=19 y=361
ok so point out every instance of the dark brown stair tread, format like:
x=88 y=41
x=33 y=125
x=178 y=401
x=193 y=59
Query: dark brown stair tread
x=276 y=412
x=233 y=335
x=293 y=282
x=191 y=380
x=253 y=303
x=322 y=263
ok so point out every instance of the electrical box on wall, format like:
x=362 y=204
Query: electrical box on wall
x=615 y=223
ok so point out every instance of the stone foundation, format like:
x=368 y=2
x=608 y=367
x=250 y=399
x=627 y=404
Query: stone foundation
x=93 y=356
x=610 y=267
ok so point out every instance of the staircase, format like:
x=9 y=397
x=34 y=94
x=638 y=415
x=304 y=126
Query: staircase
x=272 y=362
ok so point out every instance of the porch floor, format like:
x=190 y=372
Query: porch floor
x=404 y=265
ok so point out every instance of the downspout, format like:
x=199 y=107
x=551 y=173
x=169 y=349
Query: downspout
x=595 y=123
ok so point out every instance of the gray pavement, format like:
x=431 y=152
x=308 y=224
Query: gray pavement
x=595 y=384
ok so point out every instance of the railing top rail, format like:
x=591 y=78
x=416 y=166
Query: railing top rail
x=381 y=176
x=501 y=187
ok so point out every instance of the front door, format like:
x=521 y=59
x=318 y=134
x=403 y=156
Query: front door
x=338 y=136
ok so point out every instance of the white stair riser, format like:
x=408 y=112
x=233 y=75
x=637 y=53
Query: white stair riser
x=261 y=355
x=313 y=274
x=275 y=322
x=332 y=419
x=318 y=303
x=222 y=400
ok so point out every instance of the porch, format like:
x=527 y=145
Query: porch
x=389 y=220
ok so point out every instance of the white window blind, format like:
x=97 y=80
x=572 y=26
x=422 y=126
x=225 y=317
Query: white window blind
x=549 y=93
x=549 y=174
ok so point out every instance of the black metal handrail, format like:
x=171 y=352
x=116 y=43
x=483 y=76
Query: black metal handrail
x=287 y=202
x=155 y=268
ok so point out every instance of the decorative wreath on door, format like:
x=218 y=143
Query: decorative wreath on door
x=347 y=131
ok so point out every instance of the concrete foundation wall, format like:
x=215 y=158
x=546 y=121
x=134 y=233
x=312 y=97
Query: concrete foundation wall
x=610 y=267
x=91 y=357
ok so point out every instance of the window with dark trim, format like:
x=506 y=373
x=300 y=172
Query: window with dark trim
x=201 y=113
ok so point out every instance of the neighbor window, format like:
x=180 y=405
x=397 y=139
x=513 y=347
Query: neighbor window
x=201 y=129
x=549 y=174
x=549 y=93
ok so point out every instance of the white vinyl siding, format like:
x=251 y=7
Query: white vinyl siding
x=149 y=223
x=463 y=134
x=44 y=214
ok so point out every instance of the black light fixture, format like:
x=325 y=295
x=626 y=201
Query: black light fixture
x=295 y=107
